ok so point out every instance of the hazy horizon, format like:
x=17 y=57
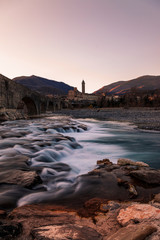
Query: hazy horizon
x=100 y=41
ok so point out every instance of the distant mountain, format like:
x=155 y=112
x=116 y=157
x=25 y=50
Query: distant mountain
x=122 y=87
x=43 y=85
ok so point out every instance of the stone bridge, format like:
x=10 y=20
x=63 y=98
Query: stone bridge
x=17 y=97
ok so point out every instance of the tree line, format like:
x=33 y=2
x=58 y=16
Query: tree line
x=133 y=98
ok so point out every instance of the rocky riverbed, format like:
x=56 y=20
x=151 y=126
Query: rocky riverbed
x=114 y=201
x=44 y=198
x=144 y=118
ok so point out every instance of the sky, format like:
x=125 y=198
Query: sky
x=100 y=41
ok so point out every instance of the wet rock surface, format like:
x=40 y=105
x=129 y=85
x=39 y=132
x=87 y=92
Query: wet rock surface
x=149 y=176
x=26 y=179
x=116 y=182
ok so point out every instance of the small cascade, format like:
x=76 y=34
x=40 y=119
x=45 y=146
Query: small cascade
x=51 y=153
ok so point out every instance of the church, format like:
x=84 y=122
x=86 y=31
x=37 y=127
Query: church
x=75 y=95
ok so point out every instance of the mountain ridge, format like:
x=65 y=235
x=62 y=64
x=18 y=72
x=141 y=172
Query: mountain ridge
x=146 y=82
x=43 y=85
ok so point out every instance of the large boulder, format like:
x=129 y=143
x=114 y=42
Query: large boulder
x=137 y=213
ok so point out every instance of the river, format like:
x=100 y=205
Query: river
x=60 y=149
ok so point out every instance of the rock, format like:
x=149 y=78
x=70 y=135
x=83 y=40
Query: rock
x=23 y=178
x=111 y=206
x=61 y=166
x=122 y=182
x=132 y=190
x=65 y=232
x=75 y=145
x=11 y=134
x=93 y=203
x=157 y=198
x=125 y=161
x=133 y=232
x=3 y=116
x=36 y=216
x=91 y=207
x=10 y=231
x=99 y=183
x=104 y=162
x=82 y=126
x=14 y=162
x=149 y=176
x=3 y=213
x=137 y=213
x=9 y=194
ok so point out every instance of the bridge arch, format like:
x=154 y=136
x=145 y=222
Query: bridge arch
x=43 y=107
x=28 y=106
x=56 y=106
x=50 y=106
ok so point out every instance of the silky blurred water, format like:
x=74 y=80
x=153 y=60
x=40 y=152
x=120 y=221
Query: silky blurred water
x=61 y=149
x=115 y=140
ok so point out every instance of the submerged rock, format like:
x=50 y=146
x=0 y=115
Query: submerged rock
x=9 y=194
x=82 y=126
x=24 y=178
x=14 y=161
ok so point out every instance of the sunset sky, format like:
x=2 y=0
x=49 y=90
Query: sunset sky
x=100 y=41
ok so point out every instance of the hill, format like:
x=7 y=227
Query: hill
x=43 y=85
x=121 y=87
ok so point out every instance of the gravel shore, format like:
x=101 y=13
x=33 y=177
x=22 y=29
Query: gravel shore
x=143 y=118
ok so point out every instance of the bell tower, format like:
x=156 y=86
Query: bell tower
x=83 y=87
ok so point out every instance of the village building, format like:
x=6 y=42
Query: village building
x=77 y=96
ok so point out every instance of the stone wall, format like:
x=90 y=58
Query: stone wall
x=14 y=96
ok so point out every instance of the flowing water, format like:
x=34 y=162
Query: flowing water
x=60 y=149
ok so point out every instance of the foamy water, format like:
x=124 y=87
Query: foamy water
x=60 y=149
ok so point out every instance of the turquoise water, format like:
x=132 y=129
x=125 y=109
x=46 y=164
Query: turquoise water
x=115 y=140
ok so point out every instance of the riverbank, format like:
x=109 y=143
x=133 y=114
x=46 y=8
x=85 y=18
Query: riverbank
x=143 y=118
